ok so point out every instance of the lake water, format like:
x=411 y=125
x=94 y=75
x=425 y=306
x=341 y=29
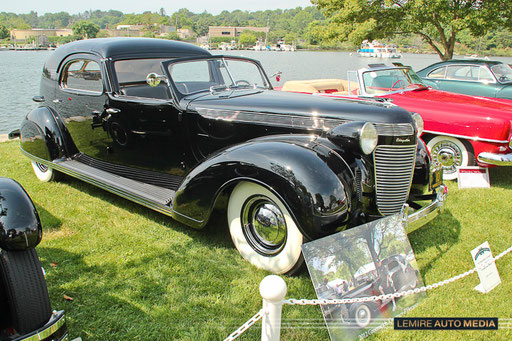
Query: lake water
x=20 y=72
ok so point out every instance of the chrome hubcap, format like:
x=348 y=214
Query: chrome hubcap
x=264 y=225
x=448 y=155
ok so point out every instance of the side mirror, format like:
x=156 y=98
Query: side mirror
x=153 y=79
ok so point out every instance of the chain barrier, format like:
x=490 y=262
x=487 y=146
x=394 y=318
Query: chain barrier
x=293 y=301
x=245 y=326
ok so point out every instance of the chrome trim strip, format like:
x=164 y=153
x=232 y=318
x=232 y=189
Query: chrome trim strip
x=495 y=159
x=57 y=321
x=421 y=217
x=474 y=138
x=273 y=119
x=314 y=122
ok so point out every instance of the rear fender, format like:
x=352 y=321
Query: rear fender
x=20 y=227
x=299 y=175
x=44 y=135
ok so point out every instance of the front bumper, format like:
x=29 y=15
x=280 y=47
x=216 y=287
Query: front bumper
x=425 y=214
x=495 y=159
x=54 y=330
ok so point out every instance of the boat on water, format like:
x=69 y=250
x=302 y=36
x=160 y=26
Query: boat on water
x=377 y=49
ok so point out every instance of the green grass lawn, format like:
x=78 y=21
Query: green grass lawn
x=135 y=274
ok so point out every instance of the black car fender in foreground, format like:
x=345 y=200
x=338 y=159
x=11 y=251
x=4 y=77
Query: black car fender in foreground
x=25 y=311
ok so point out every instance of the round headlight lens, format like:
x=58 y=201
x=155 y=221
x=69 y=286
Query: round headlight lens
x=368 y=138
x=419 y=123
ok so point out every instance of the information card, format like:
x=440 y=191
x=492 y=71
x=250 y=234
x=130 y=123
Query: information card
x=486 y=267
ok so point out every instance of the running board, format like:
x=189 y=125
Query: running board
x=154 y=197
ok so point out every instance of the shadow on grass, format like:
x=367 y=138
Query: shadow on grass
x=501 y=177
x=215 y=233
x=170 y=291
x=441 y=234
x=51 y=222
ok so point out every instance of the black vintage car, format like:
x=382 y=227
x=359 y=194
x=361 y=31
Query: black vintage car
x=172 y=127
x=25 y=311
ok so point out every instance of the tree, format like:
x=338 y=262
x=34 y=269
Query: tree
x=85 y=29
x=437 y=21
x=4 y=32
x=247 y=39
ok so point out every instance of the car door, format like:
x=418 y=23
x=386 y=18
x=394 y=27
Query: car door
x=80 y=98
x=469 y=79
x=142 y=121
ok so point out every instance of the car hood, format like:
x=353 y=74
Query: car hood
x=453 y=113
x=287 y=103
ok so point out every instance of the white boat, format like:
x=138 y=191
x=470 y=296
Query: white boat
x=376 y=49
x=224 y=46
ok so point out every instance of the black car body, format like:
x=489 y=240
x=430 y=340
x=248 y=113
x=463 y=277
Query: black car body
x=170 y=126
x=25 y=311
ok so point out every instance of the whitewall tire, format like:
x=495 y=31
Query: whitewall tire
x=450 y=153
x=263 y=230
x=42 y=172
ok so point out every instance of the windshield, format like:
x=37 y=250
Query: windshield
x=503 y=72
x=389 y=80
x=217 y=74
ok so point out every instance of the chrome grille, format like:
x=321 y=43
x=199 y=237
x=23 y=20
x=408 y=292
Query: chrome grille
x=394 y=167
x=395 y=129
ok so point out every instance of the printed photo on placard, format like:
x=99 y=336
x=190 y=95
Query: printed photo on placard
x=368 y=260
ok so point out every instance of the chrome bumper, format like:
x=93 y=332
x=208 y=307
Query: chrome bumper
x=422 y=216
x=54 y=330
x=495 y=159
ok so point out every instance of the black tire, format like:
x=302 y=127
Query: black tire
x=362 y=314
x=25 y=290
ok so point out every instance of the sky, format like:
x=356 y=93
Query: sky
x=126 y=6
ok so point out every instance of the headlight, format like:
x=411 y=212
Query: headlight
x=419 y=123
x=368 y=138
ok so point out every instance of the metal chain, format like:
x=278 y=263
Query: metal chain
x=293 y=301
x=245 y=326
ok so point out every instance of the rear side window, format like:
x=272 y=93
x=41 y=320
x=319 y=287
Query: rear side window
x=82 y=74
x=438 y=73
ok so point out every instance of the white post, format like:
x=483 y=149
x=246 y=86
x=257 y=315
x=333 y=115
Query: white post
x=273 y=290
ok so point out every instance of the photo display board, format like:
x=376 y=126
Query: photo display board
x=368 y=260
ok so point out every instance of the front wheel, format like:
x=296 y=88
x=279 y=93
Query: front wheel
x=362 y=314
x=450 y=153
x=43 y=172
x=263 y=230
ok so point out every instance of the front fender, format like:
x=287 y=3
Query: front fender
x=44 y=135
x=315 y=195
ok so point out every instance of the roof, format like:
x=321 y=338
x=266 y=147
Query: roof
x=126 y=48
x=463 y=61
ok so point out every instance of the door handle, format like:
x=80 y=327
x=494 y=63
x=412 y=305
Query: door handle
x=57 y=100
x=112 y=111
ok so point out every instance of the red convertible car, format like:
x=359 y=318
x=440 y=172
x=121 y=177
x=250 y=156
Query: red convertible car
x=459 y=130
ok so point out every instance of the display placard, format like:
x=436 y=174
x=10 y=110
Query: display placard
x=486 y=268
x=473 y=177
x=368 y=260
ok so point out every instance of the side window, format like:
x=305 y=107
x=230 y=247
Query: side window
x=196 y=71
x=463 y=72
x=484 y=75
x=437 y=73
x=82 y=74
